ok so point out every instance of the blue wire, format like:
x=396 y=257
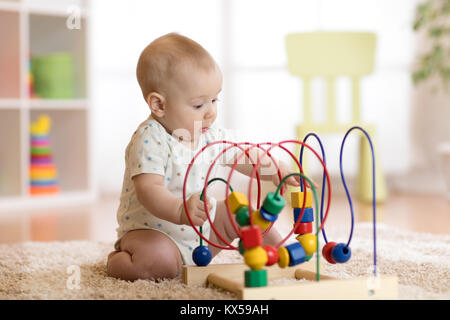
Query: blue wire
x=323 y=177
x=373 y=194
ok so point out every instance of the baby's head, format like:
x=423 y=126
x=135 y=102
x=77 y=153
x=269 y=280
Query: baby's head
x=180 y=81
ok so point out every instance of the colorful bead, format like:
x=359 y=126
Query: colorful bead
x=341 y=253
x=237 y=201
x=255 y=278
x=272 y=255
x=326 y=252
x=257 y=219
x=251 y=236
x=308 y=242
x=267 y=216
x=297 y=199
x=308 y=214
x=308 y=257
x=202 y=256
x=242 y=217
x=297 y=254
x=273 y=203
x=283 y=257
x=303 y=228
x=255 y=258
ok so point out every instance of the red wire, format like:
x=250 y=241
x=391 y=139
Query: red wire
x=298 y=164
x=254 y=171
x=205 y=194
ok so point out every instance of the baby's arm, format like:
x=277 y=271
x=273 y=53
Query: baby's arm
x=158 y=200
x=155 y=197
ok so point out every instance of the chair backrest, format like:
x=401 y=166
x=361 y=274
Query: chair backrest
x=330 y=55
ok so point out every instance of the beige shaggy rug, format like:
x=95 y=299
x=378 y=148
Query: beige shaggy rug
x=43 y=270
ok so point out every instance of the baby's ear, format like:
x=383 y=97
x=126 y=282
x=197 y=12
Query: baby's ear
x=156 y=103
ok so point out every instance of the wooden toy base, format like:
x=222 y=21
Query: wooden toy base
x=328 y=288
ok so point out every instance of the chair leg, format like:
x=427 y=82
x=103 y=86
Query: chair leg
x=365 y=192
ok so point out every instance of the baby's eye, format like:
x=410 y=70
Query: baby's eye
x=198 y=107
x=215 y=100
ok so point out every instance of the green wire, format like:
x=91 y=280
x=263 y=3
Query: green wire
x=316 y=202
x=201 y=198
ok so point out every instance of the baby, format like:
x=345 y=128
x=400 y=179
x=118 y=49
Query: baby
x=180 y=82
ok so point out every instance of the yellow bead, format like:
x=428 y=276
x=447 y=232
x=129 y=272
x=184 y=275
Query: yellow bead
x=308 y=242
x=297 y=199
x=283 y=257
x=255 y=258
x=237 y=201
x=259 y=220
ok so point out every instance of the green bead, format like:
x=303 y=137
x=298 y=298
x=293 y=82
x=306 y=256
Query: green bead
x=273 y=203
x=256 y=278
x=309 y=257
x=241 y=247
x=242 y=217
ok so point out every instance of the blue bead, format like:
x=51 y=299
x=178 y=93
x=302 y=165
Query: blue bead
x=297 y=254
x=308 y=215
x=341 y=253
x=202 y=256
x=267 y=216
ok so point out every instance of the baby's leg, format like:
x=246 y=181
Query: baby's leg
x=225 y=227
x=145 y=254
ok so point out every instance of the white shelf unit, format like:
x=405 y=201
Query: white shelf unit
x=36 y=27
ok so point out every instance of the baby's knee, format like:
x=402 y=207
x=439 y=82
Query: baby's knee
x=161 y=263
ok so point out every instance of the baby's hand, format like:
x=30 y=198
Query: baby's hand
x=292 y=180
x=196 y=209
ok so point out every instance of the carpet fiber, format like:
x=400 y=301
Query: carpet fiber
x=48 y=270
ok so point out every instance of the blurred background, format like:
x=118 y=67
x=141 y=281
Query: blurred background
x=73 y=63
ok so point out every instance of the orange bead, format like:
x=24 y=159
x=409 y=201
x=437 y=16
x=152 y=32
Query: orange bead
x=308 y=242
x=255 y=258
x=283 y=257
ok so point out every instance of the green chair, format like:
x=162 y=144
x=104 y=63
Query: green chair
x=330 y=55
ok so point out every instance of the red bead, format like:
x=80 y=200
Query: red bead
x=272 y=255
x=326 y=252
x=251 y=236
x=303 y=228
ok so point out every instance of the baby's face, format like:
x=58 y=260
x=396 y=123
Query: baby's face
x=191 y=105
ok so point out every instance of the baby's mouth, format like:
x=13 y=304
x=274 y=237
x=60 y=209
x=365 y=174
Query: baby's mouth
x=204 y=129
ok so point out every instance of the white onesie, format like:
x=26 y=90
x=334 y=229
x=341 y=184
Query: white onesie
x=153 y=150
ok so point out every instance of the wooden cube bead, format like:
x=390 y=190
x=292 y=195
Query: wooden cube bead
x=283 y=257
x=259 y=220
x=251 y=236
x=297 y=254
x=255 y=278
x=237 y=201
x=297 y=199
x=273 y=203
x=255 y=258
x=303 y=228
x=308 y=242
x=308 y=214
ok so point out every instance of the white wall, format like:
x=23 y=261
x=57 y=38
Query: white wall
x=260 y=98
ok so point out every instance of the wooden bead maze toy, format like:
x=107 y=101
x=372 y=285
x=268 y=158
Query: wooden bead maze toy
x=249 y=281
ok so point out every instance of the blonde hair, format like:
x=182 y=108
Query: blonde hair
x=160 y=60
